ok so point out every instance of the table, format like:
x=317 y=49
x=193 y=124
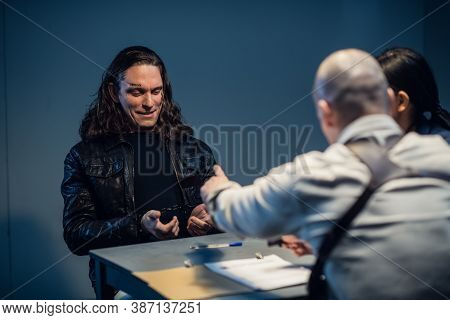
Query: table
x=115 y=266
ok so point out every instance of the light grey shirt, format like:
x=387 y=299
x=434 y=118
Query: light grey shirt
x=399 y=245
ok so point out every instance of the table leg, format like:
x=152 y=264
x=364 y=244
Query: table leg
x=102 y=290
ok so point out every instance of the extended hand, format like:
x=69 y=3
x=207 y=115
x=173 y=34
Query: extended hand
x=150 y=222
x=200 y=222
x=214 y=182
x=298 y=246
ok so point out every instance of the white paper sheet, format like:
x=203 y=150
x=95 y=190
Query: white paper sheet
x=268 y=273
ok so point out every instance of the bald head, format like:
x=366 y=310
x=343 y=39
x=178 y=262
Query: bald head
x=353 y=83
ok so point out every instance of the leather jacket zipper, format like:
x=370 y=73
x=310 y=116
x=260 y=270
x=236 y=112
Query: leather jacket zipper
x=176 y=173
x=130 y=181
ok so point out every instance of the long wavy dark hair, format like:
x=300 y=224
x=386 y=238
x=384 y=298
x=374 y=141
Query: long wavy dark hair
x=407 y=70
x=107 y=117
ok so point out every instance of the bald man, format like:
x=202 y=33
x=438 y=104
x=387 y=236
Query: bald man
x=399 y=245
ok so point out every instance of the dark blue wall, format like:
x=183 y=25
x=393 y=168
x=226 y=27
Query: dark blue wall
x=230 y=62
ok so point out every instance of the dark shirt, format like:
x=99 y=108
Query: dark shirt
x=155 y=181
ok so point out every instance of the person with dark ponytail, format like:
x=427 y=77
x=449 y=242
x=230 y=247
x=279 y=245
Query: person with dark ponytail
x=136 y=174
x=417 y=97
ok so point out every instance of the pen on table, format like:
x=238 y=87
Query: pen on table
x=217 y=245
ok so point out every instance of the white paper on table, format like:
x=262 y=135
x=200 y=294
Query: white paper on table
x=268 y=273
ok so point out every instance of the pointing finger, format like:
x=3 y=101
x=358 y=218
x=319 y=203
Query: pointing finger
x=218 y=171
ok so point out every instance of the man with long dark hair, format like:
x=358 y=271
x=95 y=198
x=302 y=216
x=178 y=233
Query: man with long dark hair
x=136 y=174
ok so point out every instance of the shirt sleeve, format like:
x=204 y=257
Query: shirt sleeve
x=265 y=209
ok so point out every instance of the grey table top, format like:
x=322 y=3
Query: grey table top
x=173 y=253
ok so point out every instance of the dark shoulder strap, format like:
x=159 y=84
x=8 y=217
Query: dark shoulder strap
x=382 y=170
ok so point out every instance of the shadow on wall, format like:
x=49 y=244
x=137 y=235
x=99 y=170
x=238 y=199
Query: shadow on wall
x=42 y=266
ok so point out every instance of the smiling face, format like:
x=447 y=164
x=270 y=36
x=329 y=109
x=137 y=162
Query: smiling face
x=141 y=94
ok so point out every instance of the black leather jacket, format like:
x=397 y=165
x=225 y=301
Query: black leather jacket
x=98 y=190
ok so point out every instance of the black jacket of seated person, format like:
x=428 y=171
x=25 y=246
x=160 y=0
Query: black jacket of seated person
x=110 y=182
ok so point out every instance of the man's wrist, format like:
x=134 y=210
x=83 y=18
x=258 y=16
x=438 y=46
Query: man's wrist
x=213 y=195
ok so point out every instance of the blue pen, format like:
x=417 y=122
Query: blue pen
x=217 y=245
